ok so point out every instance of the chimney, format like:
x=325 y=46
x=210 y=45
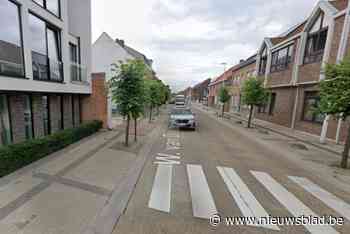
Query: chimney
x=120 y=42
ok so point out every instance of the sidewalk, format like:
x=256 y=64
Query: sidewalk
x=306 y=138
x=66 y=191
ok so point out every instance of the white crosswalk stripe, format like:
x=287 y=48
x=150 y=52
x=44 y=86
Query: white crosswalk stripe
x=291 y=203
x=246 y=201
x=329 y=199
x=203 y=204
x=161 y=192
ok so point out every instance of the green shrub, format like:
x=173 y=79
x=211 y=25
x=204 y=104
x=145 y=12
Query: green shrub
x=16 y=156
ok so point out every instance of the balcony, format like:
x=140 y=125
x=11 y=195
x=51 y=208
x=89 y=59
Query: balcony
x=78 y=73
x=46 y=69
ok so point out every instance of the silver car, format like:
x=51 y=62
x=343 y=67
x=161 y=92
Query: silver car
x=182 y=118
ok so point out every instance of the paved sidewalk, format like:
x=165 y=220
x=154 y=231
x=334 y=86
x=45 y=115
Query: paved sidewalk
x=306 y=138
x=64 y=192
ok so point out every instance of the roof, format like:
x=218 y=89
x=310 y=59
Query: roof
x=136 y=54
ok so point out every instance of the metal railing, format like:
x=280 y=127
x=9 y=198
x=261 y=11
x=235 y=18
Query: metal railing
x=46 y=69
x=10 y=68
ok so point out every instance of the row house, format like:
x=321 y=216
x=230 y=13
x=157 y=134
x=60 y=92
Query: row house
x=45 y=62
x=200 y=91
x=292 y=65
x=233 y=79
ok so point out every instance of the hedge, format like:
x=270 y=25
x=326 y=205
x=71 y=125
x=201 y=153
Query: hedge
x=16 y=156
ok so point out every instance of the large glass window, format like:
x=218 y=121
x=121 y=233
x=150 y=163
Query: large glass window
x=11 y=52
x=281 y=58
x=311 y=104
x=316 y=41
x=75 y=62
x=46 y=51
x=28 y=117
x=46 y=114
x=51 y=5
x=5 y=125
x=263 y=62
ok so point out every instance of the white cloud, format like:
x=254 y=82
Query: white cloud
x=189 y=39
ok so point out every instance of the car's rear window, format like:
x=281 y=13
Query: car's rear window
x=181 y=112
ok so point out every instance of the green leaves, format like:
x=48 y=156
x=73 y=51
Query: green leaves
x=127 y=87
x=224 y=95
x=253 y=92
x=335 y=89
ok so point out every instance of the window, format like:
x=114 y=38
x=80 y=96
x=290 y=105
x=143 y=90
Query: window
x=5 y=125
x=28 y=117
x=75 y=62
x=272 y=103
x=46 y=114
x=11 y=52
x=46 y=51
x=51 y=5
x=263 y=62
x=316 y=41
x=281 y=58
x=311 y=103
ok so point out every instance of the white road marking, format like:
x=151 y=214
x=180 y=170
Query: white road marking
x=293 y=205
x=161 y=190
x=246 y=201
x=167 y=159
x=329 y=199
x=203 y=204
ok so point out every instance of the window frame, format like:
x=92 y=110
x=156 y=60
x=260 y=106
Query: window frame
x=10 y=119
x=20 y=27
x=58 y=31
x=263 y=71
x=315 y=56
x=285 y=65
x=309 y=95
x=30 y=98
x=48 y=114
x=59 y=16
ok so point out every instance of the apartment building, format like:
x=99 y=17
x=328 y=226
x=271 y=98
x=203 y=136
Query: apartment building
x=200 y=91
x=292 y=65
x=45 y=66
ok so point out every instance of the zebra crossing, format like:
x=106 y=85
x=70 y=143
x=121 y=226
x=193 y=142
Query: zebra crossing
x=203 y=203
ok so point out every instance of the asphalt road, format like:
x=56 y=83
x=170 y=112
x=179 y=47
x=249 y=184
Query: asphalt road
x=190 y=176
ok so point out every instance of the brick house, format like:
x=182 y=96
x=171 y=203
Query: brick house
x=45 y=62
x=200 y=91
x=292 y=65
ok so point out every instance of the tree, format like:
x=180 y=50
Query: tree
x=153 y=95
x=127 y=88
x=335 y=97
x=224 y=97
x=253 y=94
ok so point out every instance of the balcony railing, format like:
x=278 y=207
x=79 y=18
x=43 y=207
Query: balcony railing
x=46 y=69
x=78 y=72
x=11 y=69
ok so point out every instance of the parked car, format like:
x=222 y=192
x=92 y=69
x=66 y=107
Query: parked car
x=182 y=118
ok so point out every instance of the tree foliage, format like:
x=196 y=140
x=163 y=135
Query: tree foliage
x=253 y=92
x=335 y=97
x=224 y=95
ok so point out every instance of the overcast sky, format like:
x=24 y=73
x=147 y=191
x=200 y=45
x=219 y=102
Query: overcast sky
x=188 y=40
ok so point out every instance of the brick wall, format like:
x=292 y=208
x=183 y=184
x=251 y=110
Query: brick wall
x=338 y=28
x=38 y=118
x=309 y=72
x=55 y=113
x=16 y=102
x=67 y=110
x=283 y=110
x=94 y=106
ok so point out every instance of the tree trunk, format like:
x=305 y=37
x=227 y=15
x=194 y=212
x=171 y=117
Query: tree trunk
x=127 y=131
x=135 y=122
x=223 y=110
x=250 y=116
x=150 y=113
x=345 y=155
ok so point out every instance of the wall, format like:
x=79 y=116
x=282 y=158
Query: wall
x=94 y=106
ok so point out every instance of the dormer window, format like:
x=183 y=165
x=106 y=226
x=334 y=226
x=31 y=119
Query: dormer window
x=316 y=41
x=282 y=58
x=263 y=62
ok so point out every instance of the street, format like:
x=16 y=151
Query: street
x=190 y=176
